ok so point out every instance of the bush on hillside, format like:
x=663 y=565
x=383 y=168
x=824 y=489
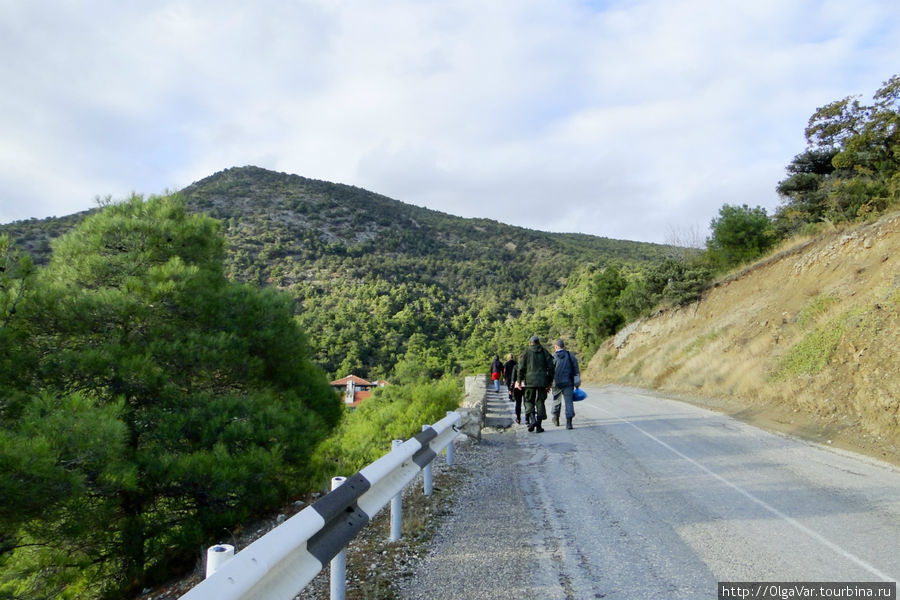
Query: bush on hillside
x=393 y=412
x=739 y=234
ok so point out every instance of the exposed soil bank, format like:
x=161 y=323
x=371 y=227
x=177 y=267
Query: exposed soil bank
x=804 y=342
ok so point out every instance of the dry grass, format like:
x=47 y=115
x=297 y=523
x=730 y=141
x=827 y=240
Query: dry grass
x=804 y=341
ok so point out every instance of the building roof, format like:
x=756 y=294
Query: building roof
x=356 y=380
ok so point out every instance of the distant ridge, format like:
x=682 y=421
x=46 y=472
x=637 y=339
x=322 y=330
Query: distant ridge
x=370 y=272
x=352 y=215
x=252 y=192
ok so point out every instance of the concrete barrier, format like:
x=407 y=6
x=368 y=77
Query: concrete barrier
x=474 y=406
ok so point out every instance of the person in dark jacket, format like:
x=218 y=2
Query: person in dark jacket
x=566 y=377
x=511 y=373
x=535 y=376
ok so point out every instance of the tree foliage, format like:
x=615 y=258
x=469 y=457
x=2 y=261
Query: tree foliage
x=601 y=312
x=393 y=412
x=616 y=297
x=851 y=168
x=739 y=234
x=162 y=403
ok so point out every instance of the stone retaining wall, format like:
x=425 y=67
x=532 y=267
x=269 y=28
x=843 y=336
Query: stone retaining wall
x=474 y=406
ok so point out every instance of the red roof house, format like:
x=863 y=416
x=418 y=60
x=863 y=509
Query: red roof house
x=355 y=389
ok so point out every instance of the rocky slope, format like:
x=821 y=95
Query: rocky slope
x=805 y=341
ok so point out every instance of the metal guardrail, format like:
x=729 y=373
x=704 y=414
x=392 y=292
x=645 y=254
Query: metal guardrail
x=282 y=562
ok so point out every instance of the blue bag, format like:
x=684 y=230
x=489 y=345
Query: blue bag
x=578 y=395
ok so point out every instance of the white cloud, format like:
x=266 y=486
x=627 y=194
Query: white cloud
x=622 y=119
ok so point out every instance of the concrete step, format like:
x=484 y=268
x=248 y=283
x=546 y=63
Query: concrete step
x=500 y=412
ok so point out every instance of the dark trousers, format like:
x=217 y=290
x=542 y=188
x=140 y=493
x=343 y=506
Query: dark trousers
x=560 y=395
x=517 y=395
x=534 y=402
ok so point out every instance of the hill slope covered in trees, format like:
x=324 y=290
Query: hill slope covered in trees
x=386 y=288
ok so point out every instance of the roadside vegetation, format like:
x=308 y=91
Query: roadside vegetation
x=148 y=402
x=395 y=412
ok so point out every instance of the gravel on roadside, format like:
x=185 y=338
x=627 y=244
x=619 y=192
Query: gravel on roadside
x=378 y=569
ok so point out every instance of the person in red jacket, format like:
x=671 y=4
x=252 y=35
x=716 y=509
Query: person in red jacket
x=496 y=372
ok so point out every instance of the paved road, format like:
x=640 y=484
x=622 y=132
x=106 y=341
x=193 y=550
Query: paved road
x=652 y=498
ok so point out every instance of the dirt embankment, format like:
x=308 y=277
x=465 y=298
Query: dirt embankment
x=806 y=341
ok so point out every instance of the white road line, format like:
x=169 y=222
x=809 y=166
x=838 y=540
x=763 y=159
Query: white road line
x=793 y=522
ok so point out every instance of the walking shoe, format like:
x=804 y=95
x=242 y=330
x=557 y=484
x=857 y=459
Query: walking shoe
x=568 y=423
x=556 y=420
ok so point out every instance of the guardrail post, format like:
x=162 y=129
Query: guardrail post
x=450 y=447
x=426 y=472
x=217 y=556
x=339 y=562
x=396 y=505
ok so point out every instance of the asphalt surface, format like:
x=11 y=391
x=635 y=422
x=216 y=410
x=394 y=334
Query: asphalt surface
x=654 y=498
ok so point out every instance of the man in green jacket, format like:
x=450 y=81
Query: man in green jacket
x=535 y=376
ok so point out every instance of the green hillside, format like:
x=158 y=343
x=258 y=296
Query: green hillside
x=379 y=282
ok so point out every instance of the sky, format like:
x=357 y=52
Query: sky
x=628 y=119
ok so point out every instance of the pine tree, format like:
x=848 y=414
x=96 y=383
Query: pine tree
x=198 y=393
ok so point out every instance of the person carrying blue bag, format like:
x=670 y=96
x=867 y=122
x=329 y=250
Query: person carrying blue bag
x=566 y=378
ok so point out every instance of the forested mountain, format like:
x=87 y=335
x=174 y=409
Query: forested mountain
x=381 y=283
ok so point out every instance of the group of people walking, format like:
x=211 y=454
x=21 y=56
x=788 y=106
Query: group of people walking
x=536 y=373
